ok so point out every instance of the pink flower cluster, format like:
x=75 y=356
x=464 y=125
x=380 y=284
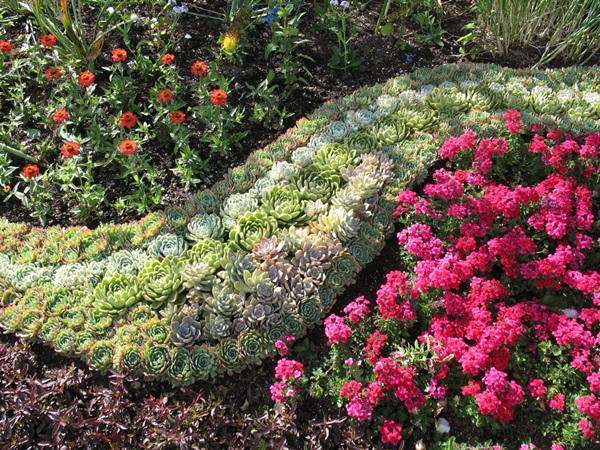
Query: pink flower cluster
x=288 y=371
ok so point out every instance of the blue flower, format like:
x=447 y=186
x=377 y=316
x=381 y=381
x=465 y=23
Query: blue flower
x=409 y=58
x=272 y=15
x=345 y=4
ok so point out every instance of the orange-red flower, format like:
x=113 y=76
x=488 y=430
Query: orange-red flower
x=5 y=47
x=218 y=97
x=70 y=149
x=168 y=58
x=128 y=119
x=128 y=147
x=165 y=95
x=53 y=72
x=119 y=54
x=199 y=68
x=86 y=78
x=60 y=115
x=31 y=171
x=48 y=40
x=177 y=117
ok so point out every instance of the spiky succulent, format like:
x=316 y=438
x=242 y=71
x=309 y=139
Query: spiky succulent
x=185 y=330
x=161 y=282
x=129 y=357
x=115 y=295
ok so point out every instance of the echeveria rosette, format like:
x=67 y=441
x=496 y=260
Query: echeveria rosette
x=482 y=97
x=362 y=250
x=140 y=314
x=128 y=334
x=314 y=184
x=294 y=325
x=390 y=130
x=252 y=346
x=204 y=362
x=129 y=358
x=206 y=201
x=544 y=101
x=156 y=331
x=100 y=355
x=161 y=282
x=448 y=101
x=74 y=317
x=256 y=312
x=419 y=119
x=184 y=331
x=338 y=130
x=236 y=206
x=180 y=368
x=310 y=311
x=83 y=342
x=65 y=341
x=31 y=322
x=362 y=143
x=205 y=226
x=240 y=178
x=225 y=301
x=169 y=244
x=199 y=279
x=217 y=326
x=125 y=262
x=99 y=321
x=286 y=204
x=339 y=223
x=207 y=251
x=156 y=359
x=230 y=356
x=115 y=295
x=251 y=228
x=334 y=157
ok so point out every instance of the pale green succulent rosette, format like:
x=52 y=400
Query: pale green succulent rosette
x=115 y=295
x=161 y=282
x=251 y=228
x=210 y=286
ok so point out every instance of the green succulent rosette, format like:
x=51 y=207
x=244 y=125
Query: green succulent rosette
x=203 y=361
x=83 y=342
x=115 y=295
x=251 y=228
x=316 y=184
x=230 y=355
x=286 y=204
x=207 y=251
x=180 y=368
x=156 y=331
x=334 y=157
x=185 y=330
x=129 y=358
x=156 y=359
x=205 y=226
x=169 y=244
x=65 y=341
x=50 y=329
x=31 y=322
x=100 y=355
x=161 y=282
x=252 y=347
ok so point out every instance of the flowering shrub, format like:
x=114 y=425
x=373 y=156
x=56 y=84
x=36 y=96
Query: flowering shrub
x=494 y=313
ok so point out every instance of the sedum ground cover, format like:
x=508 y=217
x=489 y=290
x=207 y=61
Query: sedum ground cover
x=212 y=287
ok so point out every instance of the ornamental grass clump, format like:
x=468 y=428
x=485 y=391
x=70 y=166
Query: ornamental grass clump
x=492 y=313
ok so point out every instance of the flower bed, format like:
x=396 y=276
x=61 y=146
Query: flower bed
x=210 y=287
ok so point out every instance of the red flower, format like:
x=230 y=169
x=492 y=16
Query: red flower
x=31 y=171
x=53 y=72
x=5 y=47
x=48 y=40
x=177 y=117
x=218 y=97
x=168 y=58
x=199 y=68
x=165 y=95
x=128 y=147
x=128 y=120
x=86 y=78
x=390 y=432
x=60 y=116
x=118 y=55
x=70 y=149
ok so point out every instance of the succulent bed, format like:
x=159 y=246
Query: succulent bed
x=208 y=288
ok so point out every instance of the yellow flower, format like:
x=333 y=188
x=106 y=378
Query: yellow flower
x=231 y=40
